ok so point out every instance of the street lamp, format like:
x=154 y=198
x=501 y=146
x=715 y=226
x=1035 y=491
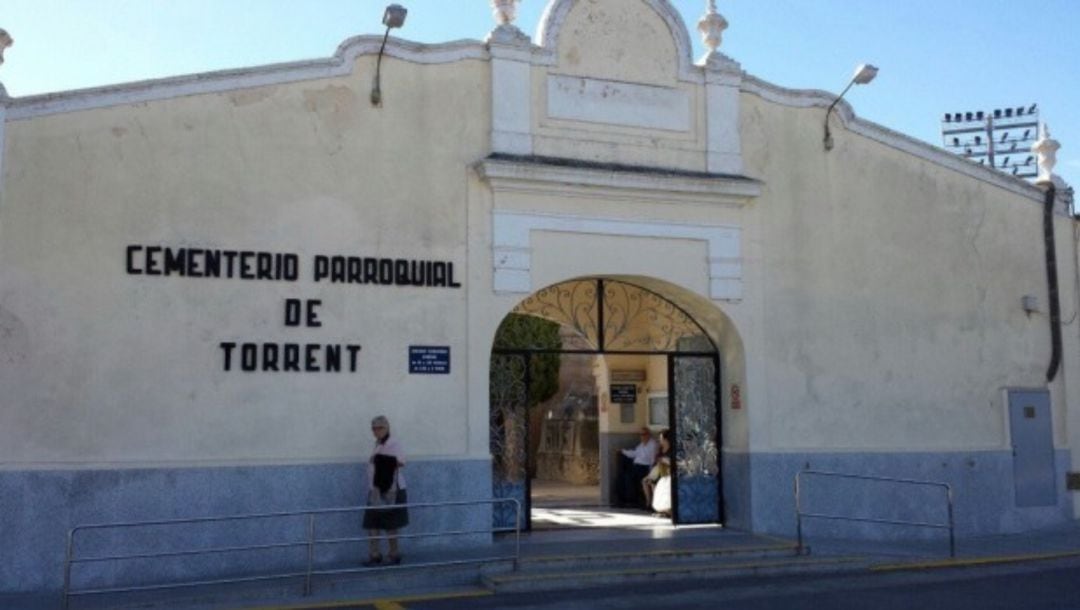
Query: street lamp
x=863 y=75
x=394 y=17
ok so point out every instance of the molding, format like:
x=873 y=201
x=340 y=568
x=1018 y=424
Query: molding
x=340 y=64
x=511 y=97
x=512 y=246
x=802 y=98
x=554 y=17
x=561 y=175
x=3 y=142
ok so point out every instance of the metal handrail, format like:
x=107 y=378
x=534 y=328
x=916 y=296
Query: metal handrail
x=310 y=542
x=799 y=514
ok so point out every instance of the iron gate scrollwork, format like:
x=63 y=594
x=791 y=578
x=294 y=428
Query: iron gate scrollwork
x=509 y=435
x=697 y=459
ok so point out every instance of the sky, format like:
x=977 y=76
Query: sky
x=935 y=56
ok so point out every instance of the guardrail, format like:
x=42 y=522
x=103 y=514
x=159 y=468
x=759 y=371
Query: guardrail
x=311 y=543
x=799 y=514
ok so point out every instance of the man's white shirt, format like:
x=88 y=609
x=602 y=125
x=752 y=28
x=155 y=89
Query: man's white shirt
x=644 y=453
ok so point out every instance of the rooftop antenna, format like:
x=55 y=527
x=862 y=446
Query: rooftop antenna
x=981 y=136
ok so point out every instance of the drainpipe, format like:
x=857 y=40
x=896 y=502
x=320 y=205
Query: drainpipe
x=1047 y=149
x=1052 y=284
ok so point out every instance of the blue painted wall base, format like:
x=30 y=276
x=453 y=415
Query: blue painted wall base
x=982 y=483
x=38 y=507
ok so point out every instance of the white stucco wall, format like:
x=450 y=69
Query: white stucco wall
x=893 y=293
x=104 y=366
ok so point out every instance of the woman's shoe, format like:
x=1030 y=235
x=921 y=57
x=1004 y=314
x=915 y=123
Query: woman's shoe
x=374 y=560
x=393 y=559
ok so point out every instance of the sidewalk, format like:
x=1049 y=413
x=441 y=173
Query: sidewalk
x=1034 y=545
x=662 y=552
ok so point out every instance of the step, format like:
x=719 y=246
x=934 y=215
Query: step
x=658 y=557
x=526 y=580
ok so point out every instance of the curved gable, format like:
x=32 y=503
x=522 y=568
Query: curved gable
x=631 y=40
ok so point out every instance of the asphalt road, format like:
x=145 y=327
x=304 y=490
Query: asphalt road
x=1032 y=586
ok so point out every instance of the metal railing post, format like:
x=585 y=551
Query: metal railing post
x=798 y=517
x=952 y=525
x=517 y=534
x=310 y=554
x=67 y=565
x=295 y=571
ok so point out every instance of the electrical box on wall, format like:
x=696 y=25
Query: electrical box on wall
x=1072 y=481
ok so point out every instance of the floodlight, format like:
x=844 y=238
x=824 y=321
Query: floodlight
x=864 y=73
x=393 y=17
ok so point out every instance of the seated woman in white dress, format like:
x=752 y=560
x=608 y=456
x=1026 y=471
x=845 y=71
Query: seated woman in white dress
x=657 y=484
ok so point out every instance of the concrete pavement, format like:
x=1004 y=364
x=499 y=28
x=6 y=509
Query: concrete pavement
x=578 y=558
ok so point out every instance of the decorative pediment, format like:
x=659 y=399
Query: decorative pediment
x=628 y=40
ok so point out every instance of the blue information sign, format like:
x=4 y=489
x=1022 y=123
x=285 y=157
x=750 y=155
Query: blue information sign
x=429 y=360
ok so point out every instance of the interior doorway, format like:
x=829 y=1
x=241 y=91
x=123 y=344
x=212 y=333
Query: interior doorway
x=578 y=370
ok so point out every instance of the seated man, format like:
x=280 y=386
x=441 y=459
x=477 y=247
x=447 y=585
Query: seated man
x=643 y=456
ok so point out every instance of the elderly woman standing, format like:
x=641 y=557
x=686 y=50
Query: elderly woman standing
x=386 y=485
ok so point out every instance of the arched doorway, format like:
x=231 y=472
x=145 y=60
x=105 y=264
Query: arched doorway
x=609 y=320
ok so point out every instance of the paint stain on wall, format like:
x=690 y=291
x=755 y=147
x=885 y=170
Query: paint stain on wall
x=14 y=338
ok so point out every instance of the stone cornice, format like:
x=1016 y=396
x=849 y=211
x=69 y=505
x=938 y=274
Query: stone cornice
x=506 y=172
x=340 y=64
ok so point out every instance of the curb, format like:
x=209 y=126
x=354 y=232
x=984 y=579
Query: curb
x=381 y=603
x=971 y=562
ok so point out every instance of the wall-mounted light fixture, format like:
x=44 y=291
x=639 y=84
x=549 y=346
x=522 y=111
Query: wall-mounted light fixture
x=1030 y=303
x=394 y=17
x=863 y=75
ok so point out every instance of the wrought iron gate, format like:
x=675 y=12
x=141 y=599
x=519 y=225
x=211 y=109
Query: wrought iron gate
x=694 y=415
x=509 y=435
x=613 y=317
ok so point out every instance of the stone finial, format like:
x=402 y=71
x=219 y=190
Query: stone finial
x=1046 y=148
x=712 y=26
x=506 y=33
x=5 y=41
x=504 y=11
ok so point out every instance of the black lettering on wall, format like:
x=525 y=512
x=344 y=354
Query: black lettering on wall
x=311 y=363
x=194 y=257
x=264 y=266
x=292 y=357
x=270 y=357
x=151 y=266
x=174 y=260
x=371 y=270
x=230 y=260
x=354 y=351
x=213 y=263
x=333 y=359
x=438 y=274
x=291 y=270
x=322 y=268
x=246 y=270
x=292 y=312
x=249 y=357
x=386 y=271
x=312 y=315
x=131 y=268
x=452 y=283
x=227 y=349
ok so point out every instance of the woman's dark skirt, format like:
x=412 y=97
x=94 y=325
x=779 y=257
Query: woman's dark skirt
x=388 y=518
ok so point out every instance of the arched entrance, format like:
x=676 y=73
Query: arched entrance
x=610 y=320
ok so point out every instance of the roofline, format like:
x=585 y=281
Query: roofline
x=342 y=63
